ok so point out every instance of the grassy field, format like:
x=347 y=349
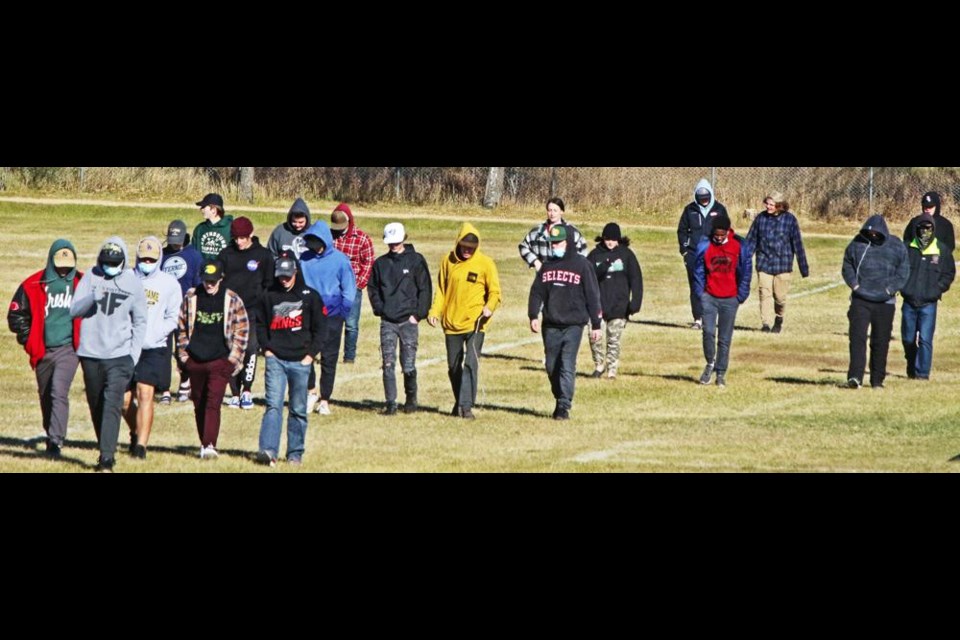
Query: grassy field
x=783 y=409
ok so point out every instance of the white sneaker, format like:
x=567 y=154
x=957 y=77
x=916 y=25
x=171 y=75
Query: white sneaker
x=324 y=409
x=234 y=402
x=312 y=402
x=208 y=453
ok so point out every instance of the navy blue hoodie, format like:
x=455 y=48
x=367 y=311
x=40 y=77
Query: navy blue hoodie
x=876 y=271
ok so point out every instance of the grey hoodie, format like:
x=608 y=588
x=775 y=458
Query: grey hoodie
x=876 y=271
x=114 y=311
x=284 y=238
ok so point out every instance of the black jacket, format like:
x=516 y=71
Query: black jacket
x=400 y=286
x=249 y=273
x=292 y=324
x=621 y=281
x=693 y=226
x=568 y=292
x=931 y=271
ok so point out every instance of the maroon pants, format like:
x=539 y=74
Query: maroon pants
x=208 y=382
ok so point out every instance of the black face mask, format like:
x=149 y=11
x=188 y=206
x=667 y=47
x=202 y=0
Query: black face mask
x=338 y=233
x=315 y=244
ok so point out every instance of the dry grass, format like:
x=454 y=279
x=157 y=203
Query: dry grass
x=783 y=409
x=820 y=193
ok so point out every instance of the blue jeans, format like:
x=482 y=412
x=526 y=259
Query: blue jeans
x=719 y=315
x=352 y=329
x=279 y=374
x=916 y=331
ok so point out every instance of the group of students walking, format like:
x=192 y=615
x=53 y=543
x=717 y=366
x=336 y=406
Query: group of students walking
x=219 y=299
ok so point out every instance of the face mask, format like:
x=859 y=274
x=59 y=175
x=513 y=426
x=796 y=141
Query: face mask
x=559 y=252
x=926 y=233
x=112 y=270
x=146 y=268
x=337 y=234
x=315 y=244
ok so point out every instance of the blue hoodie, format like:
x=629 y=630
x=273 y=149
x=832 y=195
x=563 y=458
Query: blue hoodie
x=329 y=273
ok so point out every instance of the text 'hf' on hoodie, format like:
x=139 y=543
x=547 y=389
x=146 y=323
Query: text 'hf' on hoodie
x=724 y=270
x=464 y=288
x=114 y=312
x=329 y=273
x=876 y=271
x=568 y=291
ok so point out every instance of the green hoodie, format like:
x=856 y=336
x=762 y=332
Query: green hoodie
x=210 y=238
x=58 y=325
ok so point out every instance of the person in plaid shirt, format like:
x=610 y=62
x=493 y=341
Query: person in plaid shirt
x=537 y=248
x=775 y=238
x=357 y=246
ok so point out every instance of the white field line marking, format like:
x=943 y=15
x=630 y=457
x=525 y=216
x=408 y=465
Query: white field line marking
x=827 y=287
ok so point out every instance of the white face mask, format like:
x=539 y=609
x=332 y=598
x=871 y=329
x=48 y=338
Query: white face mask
x=146 y=268
x=112 y=271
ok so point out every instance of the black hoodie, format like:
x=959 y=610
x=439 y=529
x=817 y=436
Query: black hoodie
x=400 y=286
x=943 y=230
x=621 y=280
x=567 y=290
x=249 y=273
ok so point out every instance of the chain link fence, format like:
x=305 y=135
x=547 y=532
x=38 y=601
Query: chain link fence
x=819 y=192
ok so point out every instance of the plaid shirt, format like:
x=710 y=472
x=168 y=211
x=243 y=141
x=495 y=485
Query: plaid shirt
x=538 y=246
x=775 y=240
x=359 y=248
x=236 y=324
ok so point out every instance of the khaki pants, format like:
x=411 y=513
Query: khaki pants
x=773 y=296
x=613 y=331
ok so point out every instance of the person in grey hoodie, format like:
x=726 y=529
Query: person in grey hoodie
x=289 y=235
x=875 y=267
x=111 y=301
x=163 y=296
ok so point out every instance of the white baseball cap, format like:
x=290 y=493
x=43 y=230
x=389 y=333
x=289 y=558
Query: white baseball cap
x=394 y=233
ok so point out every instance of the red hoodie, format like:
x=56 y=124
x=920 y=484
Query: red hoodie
x=357 y=246
x=721 y=264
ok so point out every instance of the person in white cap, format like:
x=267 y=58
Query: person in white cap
x=40 y=316
x=153 y=369
x=400 y=294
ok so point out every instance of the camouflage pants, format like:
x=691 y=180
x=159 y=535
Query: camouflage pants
x=614 y=331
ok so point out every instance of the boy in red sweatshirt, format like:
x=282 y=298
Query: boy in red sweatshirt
x=722 y=283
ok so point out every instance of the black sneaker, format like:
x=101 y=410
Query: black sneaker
x=391 y=409
x=455 y=412
x=853 y=383
x=133 y=443
x=104 y=466
x=596 y=374
x=707 y=374
x=561 y=414
x=53 y=450
x=410 y=406
x=140 y=452
x=765 y=329
x=777 y=326
x=467 y=414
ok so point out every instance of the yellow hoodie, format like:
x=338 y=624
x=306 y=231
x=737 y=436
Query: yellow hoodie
x=464 y=288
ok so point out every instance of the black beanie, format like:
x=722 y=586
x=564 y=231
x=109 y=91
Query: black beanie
x=721 y=221
x=612 y=232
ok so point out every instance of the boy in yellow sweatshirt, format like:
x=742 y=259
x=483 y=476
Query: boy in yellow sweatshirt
x=468 y=292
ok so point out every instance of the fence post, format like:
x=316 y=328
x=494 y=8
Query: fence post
x=870 y=212
x=553 y=181
x=83 y=171
x=713 y=179
x=399 y=172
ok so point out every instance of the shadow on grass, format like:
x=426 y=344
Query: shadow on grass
x=666 y=325
x=26 y=451
x=806 y=382
x=503 y=356
x=378 y=406
x=673 y=377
